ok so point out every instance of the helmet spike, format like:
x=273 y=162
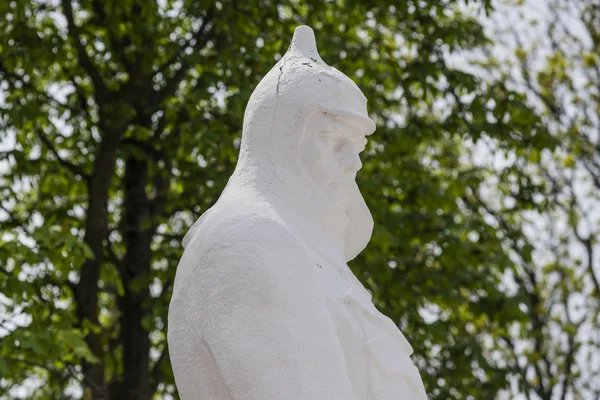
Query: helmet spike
x=304 y=44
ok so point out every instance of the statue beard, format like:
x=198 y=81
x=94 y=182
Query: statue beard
x=360 y=225
x=355 y=216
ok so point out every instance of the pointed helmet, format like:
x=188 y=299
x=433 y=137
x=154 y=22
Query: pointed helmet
x=300 y=86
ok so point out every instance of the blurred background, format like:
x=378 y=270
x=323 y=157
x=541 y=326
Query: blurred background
x=120 y=123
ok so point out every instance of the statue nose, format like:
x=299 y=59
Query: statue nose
x=350 y=160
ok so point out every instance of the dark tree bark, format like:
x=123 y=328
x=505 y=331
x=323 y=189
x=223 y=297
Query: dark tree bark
x=137 y=234
x=86 y=291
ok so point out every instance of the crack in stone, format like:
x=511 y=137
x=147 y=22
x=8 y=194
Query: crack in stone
x=283 y=60
x=279 y=80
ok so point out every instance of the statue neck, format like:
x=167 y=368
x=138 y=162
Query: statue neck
x=320 y=223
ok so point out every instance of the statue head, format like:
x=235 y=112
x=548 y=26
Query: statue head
x=304 y=127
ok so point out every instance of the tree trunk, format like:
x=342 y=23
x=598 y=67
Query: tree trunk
x=137 y=234
x=86 y=290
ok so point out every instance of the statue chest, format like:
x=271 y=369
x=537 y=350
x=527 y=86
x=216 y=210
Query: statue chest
x=377 y=354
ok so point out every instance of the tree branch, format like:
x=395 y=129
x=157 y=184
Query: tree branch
x=11 y=77
x=522 y=373
x=116 y=45
x=571 y=349
x=529 y=288
x=201 y=37
x=82 y=56
x=54 y=371
x=81 y=97
x=197 y=37
x=75 y=169
x=119 y=263
x=157 y=373
x=12 y=221
x=70 y=371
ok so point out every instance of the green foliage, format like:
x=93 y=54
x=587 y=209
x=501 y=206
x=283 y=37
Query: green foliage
x=122 y=120
x=547 y=202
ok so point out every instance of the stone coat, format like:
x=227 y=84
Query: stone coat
x=255 y=315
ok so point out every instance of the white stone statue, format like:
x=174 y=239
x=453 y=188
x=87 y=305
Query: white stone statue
x=264 y=306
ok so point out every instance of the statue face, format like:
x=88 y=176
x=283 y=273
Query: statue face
x=330 y=155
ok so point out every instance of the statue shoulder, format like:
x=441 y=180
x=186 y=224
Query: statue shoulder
x=241 y=252
x=242 y=231
x=250 y=226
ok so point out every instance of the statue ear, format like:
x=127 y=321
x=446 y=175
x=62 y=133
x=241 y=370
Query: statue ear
x=360 y=225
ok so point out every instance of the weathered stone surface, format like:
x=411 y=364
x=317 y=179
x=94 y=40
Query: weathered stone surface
x=264 y=306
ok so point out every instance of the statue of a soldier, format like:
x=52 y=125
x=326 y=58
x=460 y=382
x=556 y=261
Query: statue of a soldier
x=264 y=305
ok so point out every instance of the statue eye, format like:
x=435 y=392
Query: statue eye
x=332 y=137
